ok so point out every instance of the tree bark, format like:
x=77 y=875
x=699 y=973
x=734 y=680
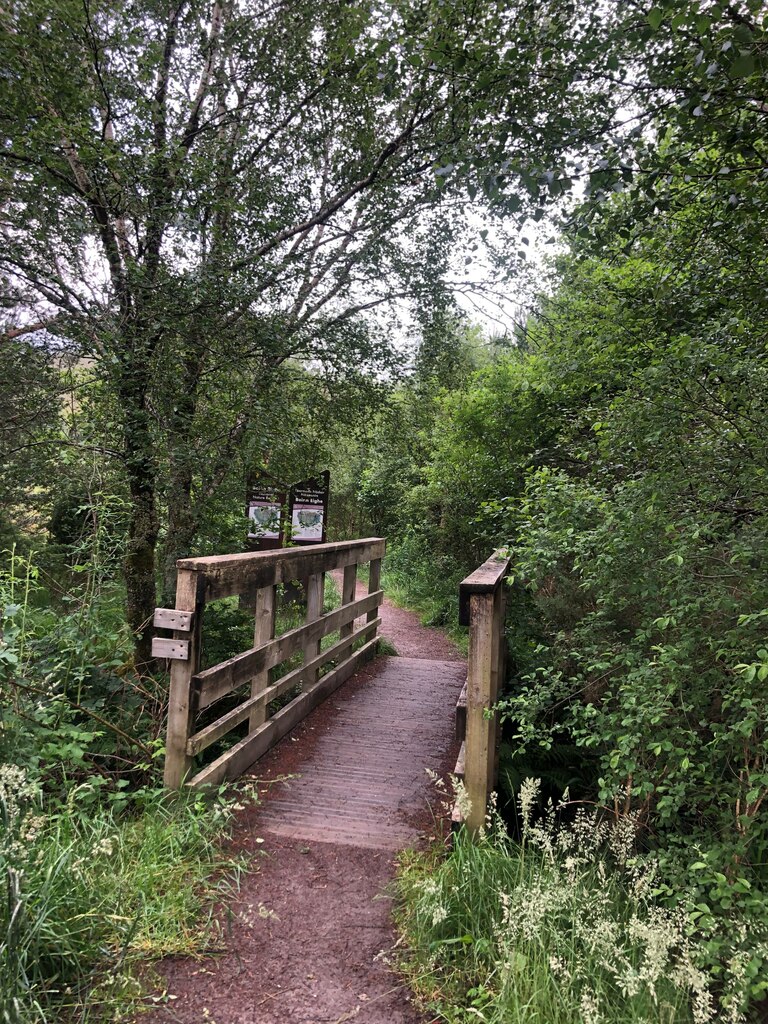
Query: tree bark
x=182 y=521
x=143 y=527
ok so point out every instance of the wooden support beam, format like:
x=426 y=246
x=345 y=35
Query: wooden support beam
x=374 y=581
x=315 y=593
x=226 y=575
x=348 y=590
x=181 y=697
x=263 y=631
x=461 y=714
x=481 y=731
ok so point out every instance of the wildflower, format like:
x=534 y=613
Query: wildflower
x=527 y=798
x=622 y=837
x=590 y=1007
x=559 y=967
x=105 y=847
x=463 y=803
x=439 y=914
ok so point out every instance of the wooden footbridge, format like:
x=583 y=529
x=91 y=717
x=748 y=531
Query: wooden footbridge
x=365 y=780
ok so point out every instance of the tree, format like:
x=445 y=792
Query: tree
x=234 y=184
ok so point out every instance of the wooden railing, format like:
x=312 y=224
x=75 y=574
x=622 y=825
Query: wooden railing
x=255 y=576
x=482 y=603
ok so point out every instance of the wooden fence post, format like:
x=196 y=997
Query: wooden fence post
x=348 y=590
x=263 y=630
x=181 y=708
x=481 y=730
x=374 y=584
x=482 y=603
x=315 y=596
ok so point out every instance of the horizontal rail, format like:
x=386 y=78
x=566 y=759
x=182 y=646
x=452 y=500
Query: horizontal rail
x=484 y=580
x=217 y=682
x=227 y=575
x=203 y=739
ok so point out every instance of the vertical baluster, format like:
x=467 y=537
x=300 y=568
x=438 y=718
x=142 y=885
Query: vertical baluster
x=315 y=593
x=348 y=591
x=263 y=630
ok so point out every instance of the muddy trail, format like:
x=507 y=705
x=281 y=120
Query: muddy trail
x=308 y=939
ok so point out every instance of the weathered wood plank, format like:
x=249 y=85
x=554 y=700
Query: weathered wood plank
x=263 y=631
x=348 y=591
x=203 y=739
x=177 y=650
x=216 y=682
x=461 y=714
x=311 y=647
x=481 y=731
x=226 y=575
x=374 y=581
x=458 y=771
x=497 y=669
x=172 y=618
x=483 y=580
x=235 y=761
x=181 y=698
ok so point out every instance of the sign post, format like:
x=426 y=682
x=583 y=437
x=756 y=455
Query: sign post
x=309 y=510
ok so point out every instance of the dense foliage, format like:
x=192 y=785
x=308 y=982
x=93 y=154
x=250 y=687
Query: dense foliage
x=209 y=214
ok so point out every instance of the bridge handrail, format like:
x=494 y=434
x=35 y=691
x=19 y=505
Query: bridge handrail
x=256 y=575
x=482 y=605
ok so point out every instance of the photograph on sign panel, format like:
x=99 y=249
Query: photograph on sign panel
x=264 y=521
x=307 y=522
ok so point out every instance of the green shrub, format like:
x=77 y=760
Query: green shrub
x=566 y=926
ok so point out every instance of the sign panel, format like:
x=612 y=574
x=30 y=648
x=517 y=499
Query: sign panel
x=265 y=503
x=309 y=510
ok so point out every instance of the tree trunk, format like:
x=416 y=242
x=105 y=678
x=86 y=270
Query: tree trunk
x=143 y=527
x=139 y=568
x=182 y=528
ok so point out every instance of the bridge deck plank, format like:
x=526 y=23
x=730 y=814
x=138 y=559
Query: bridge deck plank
x=363 y=780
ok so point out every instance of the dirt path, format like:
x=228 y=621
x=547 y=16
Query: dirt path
x=309 y=936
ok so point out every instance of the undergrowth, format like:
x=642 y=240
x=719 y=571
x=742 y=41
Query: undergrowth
x=565 y=926
x=91 y=894
x=426 y=582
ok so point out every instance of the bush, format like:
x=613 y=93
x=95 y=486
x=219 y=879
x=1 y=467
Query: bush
x=565 y=926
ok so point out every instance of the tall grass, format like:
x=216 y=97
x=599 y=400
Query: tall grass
x=417 y=577
x=561 y=928
x=89 y=895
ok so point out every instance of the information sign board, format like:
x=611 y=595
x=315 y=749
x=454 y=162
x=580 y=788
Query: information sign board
x=265 y=506
x=309 y=509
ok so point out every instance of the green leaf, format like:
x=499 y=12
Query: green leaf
x=743 y=66
x=655 y=18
